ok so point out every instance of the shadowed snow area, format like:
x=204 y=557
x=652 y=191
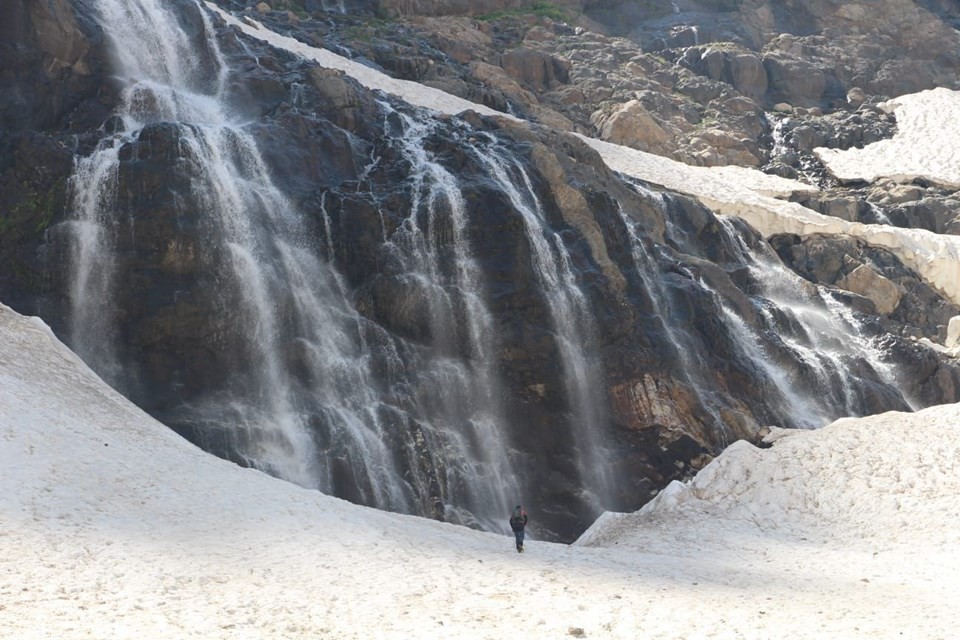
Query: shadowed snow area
x=925 y=145
x=112 y=526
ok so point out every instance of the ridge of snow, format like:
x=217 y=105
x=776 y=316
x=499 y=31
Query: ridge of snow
x=736 y=191
x=112 y=526
x=821 y=485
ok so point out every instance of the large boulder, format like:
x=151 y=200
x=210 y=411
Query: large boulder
x=866 y=282
x=537 y=70
x=793 y=80
x=632 y=125
x=735 y=65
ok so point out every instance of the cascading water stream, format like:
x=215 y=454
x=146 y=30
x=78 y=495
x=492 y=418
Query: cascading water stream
x=570 y=315
x=822 y=340
x=813 y=374
x=304 y=403
x=430 y=251
x=692 y=367
x=147 y=70
x=866 y=346
x=273 y=286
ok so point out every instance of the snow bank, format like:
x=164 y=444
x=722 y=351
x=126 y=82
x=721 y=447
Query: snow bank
x=111 y=526
x=889 y=480
x=926 y=145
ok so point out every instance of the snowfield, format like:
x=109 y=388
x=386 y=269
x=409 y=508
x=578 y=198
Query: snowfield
x=925 y=145
x=113 y=527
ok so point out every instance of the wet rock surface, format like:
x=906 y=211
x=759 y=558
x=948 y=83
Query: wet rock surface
x=54 y=96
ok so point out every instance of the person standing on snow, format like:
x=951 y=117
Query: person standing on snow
x=517 y=522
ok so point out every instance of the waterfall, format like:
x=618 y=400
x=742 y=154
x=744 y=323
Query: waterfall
x=809 y=351
x=570 y=316
x=827 y=360
x=679 y=341
x=320 y=388
x=92 y=316
x=320 y=396
x=430 y=254
x=866 y=346
x=272 y=284
x=161 y=83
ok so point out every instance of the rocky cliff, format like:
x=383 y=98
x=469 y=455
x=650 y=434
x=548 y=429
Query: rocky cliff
x=442 y=308
x=692 y=80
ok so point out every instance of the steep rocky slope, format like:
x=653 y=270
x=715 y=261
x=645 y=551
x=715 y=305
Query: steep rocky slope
x=687 y=79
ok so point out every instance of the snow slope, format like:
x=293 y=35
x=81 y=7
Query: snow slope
x=926 y=145
x=111 y=526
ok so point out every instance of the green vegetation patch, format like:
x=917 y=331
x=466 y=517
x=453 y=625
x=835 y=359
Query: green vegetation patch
x=36 y=209
x=539 y=9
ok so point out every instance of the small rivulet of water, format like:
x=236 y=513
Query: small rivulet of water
x=337 y=6
x=878 y=215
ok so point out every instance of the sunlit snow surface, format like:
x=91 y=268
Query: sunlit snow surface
x=926 y=145
x=111 y=526
x=746 y=193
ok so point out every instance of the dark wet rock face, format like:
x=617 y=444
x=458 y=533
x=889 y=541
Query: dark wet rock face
x=53 y=97
x=471 y=271
x=52 y=68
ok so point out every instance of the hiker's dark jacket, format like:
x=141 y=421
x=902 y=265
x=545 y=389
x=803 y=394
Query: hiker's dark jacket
x=517 y=523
